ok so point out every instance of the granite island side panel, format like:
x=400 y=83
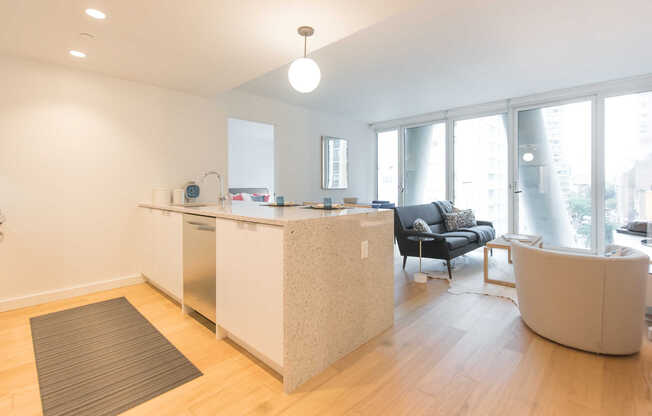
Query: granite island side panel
x=334 y=301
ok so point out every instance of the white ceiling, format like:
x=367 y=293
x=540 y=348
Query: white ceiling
x=445 y=54
x=200 y=46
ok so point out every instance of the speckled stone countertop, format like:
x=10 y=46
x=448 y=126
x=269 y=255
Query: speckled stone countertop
x=256 y=212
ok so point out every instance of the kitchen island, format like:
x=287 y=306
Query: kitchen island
x=299 y=288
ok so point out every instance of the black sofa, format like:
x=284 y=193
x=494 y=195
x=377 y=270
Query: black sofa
x=446 y=245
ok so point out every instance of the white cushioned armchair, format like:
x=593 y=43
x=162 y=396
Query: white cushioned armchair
x=593 y=303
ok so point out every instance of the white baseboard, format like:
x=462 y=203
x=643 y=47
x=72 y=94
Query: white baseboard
x=69 y=292
x=163 y=290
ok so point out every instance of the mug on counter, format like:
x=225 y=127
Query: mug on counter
x=178 y=197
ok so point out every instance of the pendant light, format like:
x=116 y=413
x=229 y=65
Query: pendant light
x=304 y=73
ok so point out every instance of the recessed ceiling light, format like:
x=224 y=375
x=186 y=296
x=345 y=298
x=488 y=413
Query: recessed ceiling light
x=77 y=54
x=96 y=14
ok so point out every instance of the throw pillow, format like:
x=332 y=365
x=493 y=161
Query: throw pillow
x=466 y=219
x=421 y=226
x=461 y=219
x=260 y=197
x=450 y=221
x=241 y=197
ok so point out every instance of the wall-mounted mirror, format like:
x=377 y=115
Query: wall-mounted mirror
x=334 y=163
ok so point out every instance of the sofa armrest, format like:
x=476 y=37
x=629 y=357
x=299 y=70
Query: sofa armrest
x=485 y=223
x=411 y=233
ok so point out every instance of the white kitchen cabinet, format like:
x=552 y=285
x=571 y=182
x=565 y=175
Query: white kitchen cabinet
x=249 y=272
x=162 y=250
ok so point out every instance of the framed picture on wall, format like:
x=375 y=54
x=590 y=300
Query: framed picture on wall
x=334 y=163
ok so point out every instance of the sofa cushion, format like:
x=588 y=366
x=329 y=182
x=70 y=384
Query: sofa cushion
x=456 y=242
x=469 y=235
x=437 y=228
x=428 y=212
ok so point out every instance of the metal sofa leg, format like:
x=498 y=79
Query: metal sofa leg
x=448 y=264
x=404 y=261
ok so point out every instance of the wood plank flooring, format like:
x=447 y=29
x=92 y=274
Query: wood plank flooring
x=446 y=355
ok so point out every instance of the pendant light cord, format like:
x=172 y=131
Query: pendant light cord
x=305 y=43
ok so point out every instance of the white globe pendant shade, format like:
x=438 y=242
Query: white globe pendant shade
x=304 y=75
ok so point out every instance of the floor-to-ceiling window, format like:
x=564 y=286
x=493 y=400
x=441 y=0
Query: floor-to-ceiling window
x=554 y=174
x=388 y=174
x=481 y=168
x=424 y=158
x=628 y=171
x=552 y=150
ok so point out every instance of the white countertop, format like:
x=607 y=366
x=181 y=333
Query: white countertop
x=256 y=212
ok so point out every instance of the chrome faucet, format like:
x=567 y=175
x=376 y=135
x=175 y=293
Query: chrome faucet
x=221 y=198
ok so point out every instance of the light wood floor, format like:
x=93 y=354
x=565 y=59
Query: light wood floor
x=446 y=355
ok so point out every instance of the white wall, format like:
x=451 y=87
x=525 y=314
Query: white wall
x=298 y=132
x=251 y=154
x=78 y=151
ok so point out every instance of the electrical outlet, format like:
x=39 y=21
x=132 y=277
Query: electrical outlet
x=364 y=249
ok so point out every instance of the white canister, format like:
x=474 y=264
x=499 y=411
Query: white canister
x=178 y=197
x=161 y=196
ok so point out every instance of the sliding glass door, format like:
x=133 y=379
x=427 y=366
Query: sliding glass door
x=481 y=168
x=424 y=164
x=553 y=195
x=628 y=171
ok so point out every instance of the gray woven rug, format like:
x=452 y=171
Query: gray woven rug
x=102 y=359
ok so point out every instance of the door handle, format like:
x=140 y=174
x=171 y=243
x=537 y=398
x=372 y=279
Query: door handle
x=201 y=226
x=198 y=223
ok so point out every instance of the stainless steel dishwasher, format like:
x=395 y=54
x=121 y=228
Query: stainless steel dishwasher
x=199 y=264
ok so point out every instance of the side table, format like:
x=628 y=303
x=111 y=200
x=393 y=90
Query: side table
x=420 y=277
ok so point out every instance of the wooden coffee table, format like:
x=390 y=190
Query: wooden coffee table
x=506 y=244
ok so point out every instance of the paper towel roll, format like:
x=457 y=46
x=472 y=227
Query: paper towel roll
x=161 y=196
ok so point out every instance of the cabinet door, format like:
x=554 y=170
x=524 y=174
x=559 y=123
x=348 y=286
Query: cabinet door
x=250 y=286
x=169 y=269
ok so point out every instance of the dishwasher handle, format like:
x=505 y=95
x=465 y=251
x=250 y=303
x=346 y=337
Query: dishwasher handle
x=201 y=226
